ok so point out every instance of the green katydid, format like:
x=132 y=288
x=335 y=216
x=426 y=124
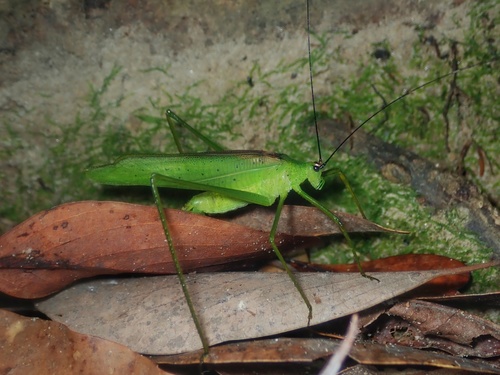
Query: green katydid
x=230 y=180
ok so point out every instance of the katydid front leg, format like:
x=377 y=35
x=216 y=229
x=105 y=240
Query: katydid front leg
x=272 y=235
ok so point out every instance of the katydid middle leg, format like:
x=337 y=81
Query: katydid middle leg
x=272 y=235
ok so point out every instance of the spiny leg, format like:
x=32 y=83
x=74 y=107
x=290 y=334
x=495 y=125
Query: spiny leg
x=335 y=219
x=282 y=260
x=177 y=265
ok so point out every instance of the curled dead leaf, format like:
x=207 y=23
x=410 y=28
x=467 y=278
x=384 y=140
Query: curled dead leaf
x=431 y=325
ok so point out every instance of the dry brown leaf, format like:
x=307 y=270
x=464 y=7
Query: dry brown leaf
x=395 y=355
x=82 y=239
x=304 y=350
x=422 y=324
x=276 y=350
x=35 y=346
x=306 y=221
x=448 y=284
x=151 y=316
x=466 y=301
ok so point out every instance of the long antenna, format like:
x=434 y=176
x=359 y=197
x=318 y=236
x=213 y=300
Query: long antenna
x=320 y=160
x=385 y=106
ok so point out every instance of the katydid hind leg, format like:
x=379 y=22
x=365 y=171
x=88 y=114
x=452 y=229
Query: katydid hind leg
x=272 y=235
x=175 y=121
x=175 y=134
x=339 y=223
x=177 y=265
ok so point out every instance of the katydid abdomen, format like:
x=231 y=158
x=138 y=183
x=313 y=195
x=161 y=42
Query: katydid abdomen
x=230 y=179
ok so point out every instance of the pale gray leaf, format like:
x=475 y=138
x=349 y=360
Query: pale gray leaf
x=150 y=315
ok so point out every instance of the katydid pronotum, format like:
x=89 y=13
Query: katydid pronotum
x=230 y=180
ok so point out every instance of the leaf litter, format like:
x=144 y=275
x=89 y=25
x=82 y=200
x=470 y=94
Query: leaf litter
x=310 y=351
x=36 y=346
x=82 y=239
x=150 y=315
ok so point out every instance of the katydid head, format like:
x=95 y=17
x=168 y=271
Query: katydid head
x=315 y=179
